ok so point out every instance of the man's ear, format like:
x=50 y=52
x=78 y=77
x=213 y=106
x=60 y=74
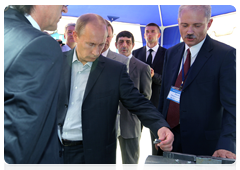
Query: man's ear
x=75 y=36
x=209 y=23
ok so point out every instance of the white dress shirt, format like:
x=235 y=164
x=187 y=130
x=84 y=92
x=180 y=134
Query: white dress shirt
x=194 y=52
x=105 y=53
x=72 y=128
x=65 y=48
x=32 y=21
x=129 y=57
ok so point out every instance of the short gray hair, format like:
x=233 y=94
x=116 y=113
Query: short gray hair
x=205 y=8
x=68 y=25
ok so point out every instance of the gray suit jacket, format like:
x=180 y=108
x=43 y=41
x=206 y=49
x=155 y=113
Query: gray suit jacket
x=140 y=74
x=118 y=57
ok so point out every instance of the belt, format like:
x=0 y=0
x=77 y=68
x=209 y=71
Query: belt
x=71 y=143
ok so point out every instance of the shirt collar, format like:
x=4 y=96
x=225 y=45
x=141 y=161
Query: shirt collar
x=195 y=49
x=155 y=48
x=76 y=59
x=105 y=53
x=130 y=56
x=33 y=22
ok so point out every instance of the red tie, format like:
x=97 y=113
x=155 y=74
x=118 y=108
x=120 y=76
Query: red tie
x=173 y=109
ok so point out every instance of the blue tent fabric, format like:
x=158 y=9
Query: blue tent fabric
x=140 y=14
x=171 y=37
x=163 y=15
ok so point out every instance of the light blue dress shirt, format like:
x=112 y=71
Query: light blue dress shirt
x=72 y=128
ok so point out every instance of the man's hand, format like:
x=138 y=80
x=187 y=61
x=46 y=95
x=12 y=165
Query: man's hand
x=224 y=154
x=152 y=72
x=166 y=137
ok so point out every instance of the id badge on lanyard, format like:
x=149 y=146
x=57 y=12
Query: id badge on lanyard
x=175 y=92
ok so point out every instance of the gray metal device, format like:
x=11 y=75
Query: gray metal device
x=157 y=141
x=180 y=158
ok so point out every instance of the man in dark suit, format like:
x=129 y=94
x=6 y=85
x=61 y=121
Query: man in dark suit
x=31 y=77
x=155 y=60
x=90 y=90
x=130 y=126
x=204 y=121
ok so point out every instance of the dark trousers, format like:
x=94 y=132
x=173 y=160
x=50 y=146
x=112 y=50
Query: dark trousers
x=73 y=154
x=177 y=145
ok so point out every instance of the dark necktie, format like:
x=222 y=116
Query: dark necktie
x=173 y=109
x=149 y=59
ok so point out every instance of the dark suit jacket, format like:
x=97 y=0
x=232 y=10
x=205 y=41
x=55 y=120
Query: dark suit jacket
x=108 y=83
x=32 y=63
x=157 y=67
x=140 y=74
x=208 y=99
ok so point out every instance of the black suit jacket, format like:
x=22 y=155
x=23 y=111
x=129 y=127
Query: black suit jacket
x=32 y=63
x=208 y=99
x=157 y=67
x=108 y=83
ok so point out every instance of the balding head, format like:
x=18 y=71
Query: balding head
x=85 y=19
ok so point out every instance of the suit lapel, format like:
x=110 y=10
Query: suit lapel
x=96 y=70
x=142 y=55
x=201 y=59
x=159 y=51
x=132 y=65
x=67 y=71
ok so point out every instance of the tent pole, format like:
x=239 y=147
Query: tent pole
x=161 y=27
x=162 y=33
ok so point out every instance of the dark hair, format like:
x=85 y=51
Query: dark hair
x=109 y=25
x=23 y=9
x=155 y=25
x=125 y=34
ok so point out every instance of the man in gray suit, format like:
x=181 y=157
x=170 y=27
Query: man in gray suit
x=140 y=74
x=106 y=52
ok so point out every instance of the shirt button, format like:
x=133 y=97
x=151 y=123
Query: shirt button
x=76 y=87
x=72 y=103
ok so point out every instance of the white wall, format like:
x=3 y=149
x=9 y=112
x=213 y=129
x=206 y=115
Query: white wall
x=224 y=29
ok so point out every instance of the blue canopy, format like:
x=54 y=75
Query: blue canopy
x=163 y=15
